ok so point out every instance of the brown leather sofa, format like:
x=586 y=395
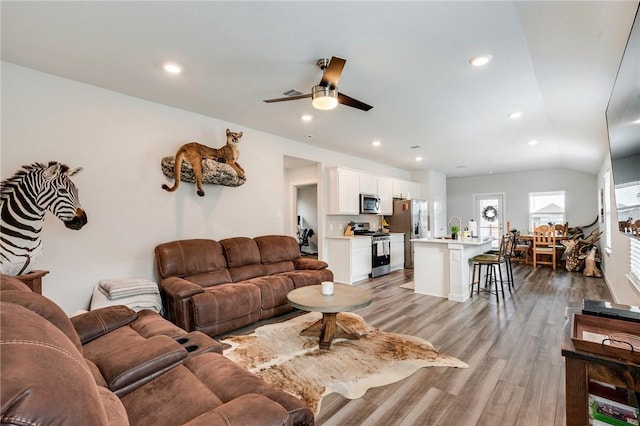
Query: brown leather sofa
x=219 y=286
x=113 y=366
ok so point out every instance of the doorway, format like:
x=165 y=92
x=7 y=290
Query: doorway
x=303 y=212
x=307 y=219
x=489 y=214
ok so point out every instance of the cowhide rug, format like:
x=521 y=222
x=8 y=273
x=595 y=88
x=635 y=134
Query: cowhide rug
x=295 y=364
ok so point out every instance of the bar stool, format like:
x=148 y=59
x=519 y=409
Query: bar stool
x=507 y=250
x=493 y=273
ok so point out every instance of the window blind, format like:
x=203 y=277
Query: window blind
x=634 y=262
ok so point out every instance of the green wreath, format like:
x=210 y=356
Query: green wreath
x=489 y=213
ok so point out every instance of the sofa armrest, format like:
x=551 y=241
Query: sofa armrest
x=132 y=364
x=93 y=324
x=309 y=264
x=179 y=288
x=249 y=409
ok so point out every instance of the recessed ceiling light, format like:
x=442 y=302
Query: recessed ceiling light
x=480 y=60
x=533 y=142
x=514 y=115
x=172 y=68
x=376 y=143
x=307 y=117
x=418 y=158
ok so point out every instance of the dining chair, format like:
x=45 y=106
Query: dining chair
x=521 y=248
x=561 y=231
x=544 y=244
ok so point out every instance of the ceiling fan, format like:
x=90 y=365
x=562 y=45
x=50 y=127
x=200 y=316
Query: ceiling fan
x=325 y=94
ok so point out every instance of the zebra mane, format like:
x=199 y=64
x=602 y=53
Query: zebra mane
x=8 y=185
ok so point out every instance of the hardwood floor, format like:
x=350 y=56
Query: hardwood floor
x=516 y=371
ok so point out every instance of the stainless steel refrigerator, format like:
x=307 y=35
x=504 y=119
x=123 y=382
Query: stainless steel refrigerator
x=410 y=217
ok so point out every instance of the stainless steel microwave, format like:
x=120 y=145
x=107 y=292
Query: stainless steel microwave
x=369 y=204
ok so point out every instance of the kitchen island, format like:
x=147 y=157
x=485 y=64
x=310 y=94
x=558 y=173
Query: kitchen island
x=442 y=266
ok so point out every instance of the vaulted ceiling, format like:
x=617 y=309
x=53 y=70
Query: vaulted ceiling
x=555 y=62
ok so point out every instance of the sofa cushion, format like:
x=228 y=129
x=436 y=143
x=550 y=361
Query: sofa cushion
x=277 y=248
x=58 y=387
x=310 y=264
x=129 y=363
x=93 y=324
x=150 y=323
x=226 y=371
x=46 y=309
x=210 y=278
x=305 y=278
x=158 y=403
x=225 y=302
x=273 y=290
x=243 y=258
x=189 y=257
x=278 y=252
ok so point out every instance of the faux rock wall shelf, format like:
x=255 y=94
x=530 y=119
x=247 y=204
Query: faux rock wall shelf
x=212 y=172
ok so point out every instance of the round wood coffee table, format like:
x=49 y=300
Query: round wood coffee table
x=345 y=298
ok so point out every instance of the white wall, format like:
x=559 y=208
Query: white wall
x=615 y=264
x=120 y=140
x=581 y=201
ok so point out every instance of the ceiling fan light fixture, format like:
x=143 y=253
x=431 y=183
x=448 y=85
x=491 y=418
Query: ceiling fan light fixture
x=324 y=98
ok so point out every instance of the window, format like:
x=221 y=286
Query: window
x=546 y=207
x=607 y=211
x=628 y=200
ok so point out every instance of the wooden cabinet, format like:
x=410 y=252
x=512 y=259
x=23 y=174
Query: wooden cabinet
x=350 y=258
x=397 y=251
x=344 y=191
x=33 y=280
x=582 y=366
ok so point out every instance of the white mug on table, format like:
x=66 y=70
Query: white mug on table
x=327 y=288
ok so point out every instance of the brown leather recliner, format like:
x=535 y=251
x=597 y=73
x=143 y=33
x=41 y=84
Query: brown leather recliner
x=216 y=287
x=46 y=377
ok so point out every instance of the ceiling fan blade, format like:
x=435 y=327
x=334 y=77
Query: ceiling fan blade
x=348 y=101
x=288 y=98
x=332 y=73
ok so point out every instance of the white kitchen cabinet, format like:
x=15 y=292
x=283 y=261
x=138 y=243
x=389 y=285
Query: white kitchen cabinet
x=385 y=192
x=349 y=258
x=368 y=184
x=400 y=188
x=406 y=189
x=344 y=191
x=414 y=191
x=397 y=251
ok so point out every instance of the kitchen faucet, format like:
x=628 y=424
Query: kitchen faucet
x=459 y=222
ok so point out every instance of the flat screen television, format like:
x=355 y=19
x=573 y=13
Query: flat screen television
x=623 y=123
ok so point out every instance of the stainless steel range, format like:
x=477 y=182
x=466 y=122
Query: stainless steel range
x=380 y=249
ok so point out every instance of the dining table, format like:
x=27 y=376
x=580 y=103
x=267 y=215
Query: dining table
x=528 y=239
